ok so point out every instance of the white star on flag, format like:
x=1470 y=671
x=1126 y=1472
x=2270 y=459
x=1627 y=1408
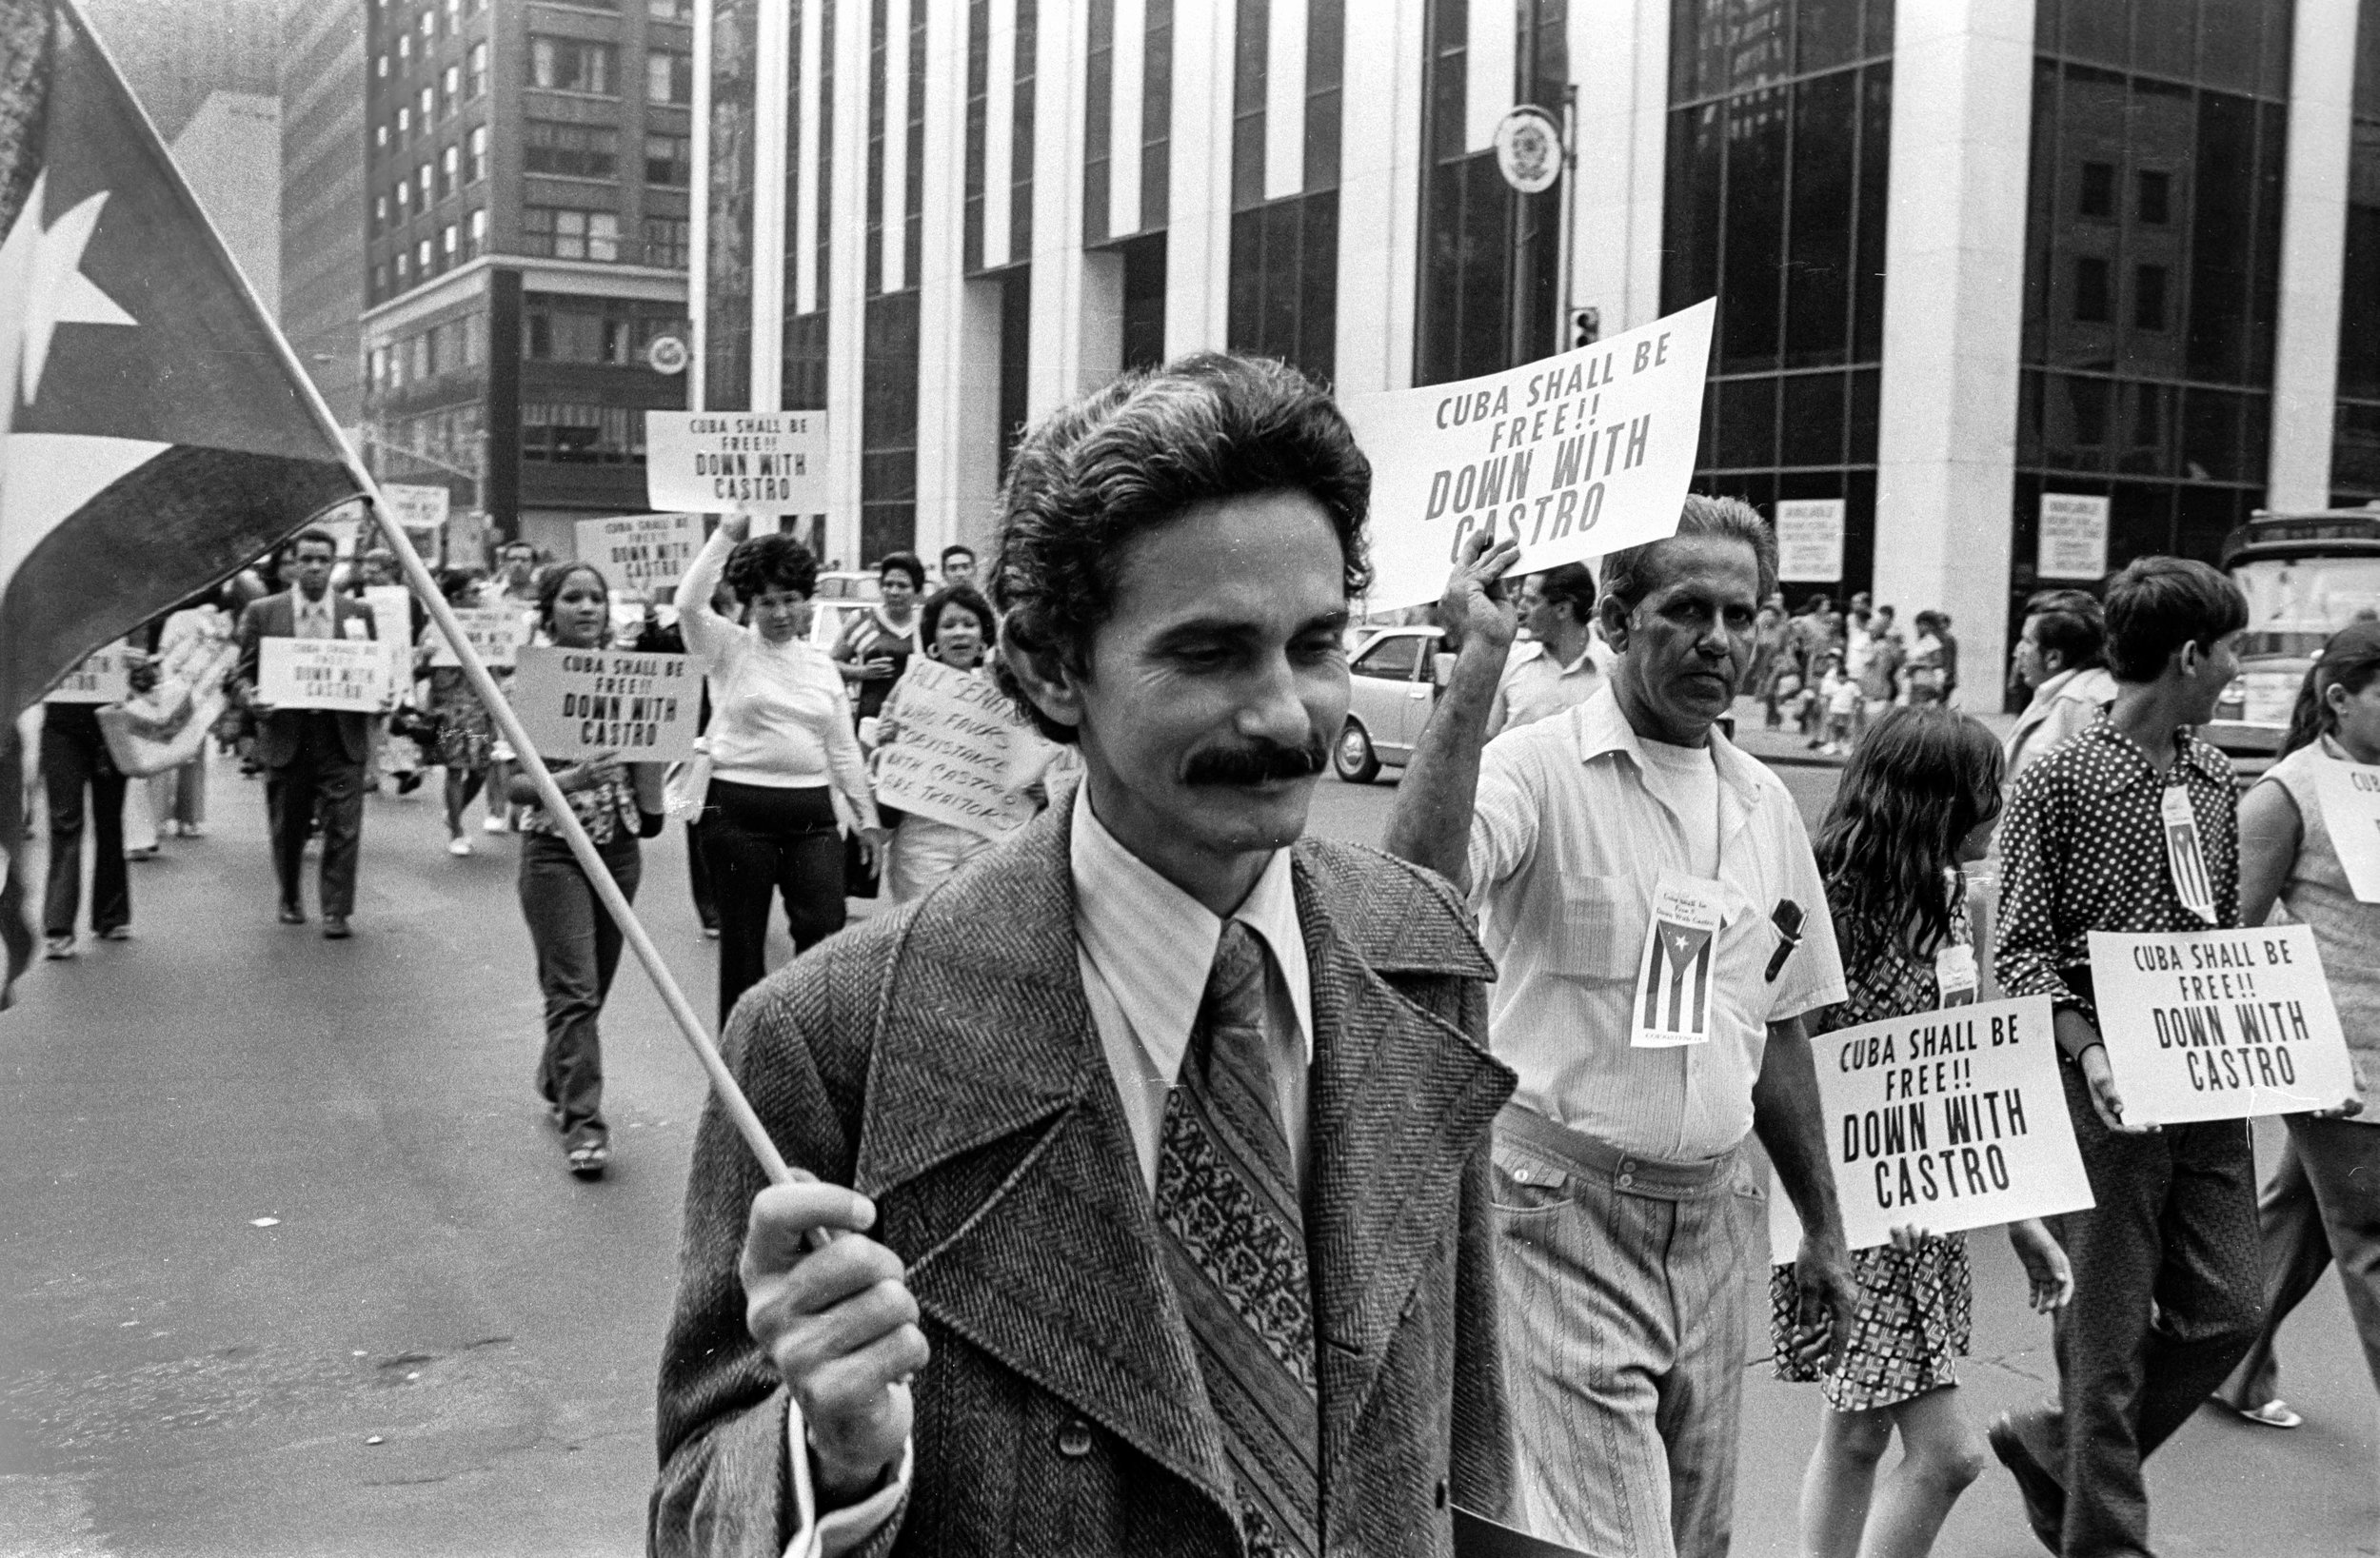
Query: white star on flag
x=46 y=477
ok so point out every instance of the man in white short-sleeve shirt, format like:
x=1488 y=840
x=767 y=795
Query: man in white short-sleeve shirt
x=1659 y=931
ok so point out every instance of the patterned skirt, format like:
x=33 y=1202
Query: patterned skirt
x=465 y=734
x=1915 y=1316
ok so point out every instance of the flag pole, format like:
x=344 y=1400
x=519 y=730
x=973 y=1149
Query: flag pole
x=723 y=1086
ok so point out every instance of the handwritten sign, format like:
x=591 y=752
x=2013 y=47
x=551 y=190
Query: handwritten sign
x=1573 y=456
x=577 y=703
x=2219 y=1025
x=2074 y=540
x=2350 y=793
x=642 y=551
x=736 y=462
x=104 y=676
x=1948 y=1119
x=496 y=633
x=956 y=754
x=1810 y=540
x=347 y=674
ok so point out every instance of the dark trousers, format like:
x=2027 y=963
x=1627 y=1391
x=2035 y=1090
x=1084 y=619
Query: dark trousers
x=763 y=842
x=698 y=875
x=578 y=952
x=320 y=770
x=2322 y=1202
x=2167 y=1293
x=74 y=758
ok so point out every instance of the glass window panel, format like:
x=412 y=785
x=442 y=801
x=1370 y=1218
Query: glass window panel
x=1875 y=146
x=2097 y=31
x=1690 y=257
x=2145 y=420
x=2221 y=237
x=2230 y=43
x=1810 y=431
x=2148 y=297
x=1879 y=42
x=1755 y=220
x=2094 y=191
x=2030 y=450
x=2165 y=35
x=1318 y=307
x=2075 y=423
x=2154 y=196
x=1826 y=33
x=1747 y=433
x=1860 y=448
x=2255 y=436
x=2140 y=521
x=2367 y=71
x=2203 y=517
x=2211 y=435
x=1391 y=660
x=2355 y=447
x=1279 y=327
x=1818 y=297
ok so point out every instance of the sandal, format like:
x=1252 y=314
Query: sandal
x=2275 y=1414
x=588 y=1158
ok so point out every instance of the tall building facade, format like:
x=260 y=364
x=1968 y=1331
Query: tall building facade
x=1967 y=253
x=525 y=232
x=322 y=195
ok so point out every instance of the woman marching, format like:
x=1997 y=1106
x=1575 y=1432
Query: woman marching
x=466 y=738
x=1917 y=803
x=578 y=944
x=786 y=777
x=2322 y=1202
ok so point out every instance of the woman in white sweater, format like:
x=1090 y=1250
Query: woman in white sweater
x=787 y=778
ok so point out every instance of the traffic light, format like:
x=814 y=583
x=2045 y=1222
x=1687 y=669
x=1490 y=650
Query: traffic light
x=1586 y=327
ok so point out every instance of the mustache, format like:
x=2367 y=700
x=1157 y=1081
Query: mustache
x=1257 y=762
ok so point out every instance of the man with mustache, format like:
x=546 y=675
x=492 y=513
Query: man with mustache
x=1659 y=927
x=1154 y=1141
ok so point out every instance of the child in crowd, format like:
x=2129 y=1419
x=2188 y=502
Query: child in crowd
x=2132 y=826
x=1839 y=694
x=1916 y=804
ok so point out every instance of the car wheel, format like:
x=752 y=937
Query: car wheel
x=1353 y=759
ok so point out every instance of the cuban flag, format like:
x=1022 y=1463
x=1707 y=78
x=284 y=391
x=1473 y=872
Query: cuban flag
x=155 y=431
x=1677 y=984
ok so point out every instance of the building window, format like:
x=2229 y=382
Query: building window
x=479 y=153
x=425 y=177
x=405 y=123
x=571 y=65
x=420 y=255
x=474 y=340
x=429 y=25
x=478 y=232
x=405 y=198
x=2156 y=197
x=665 y=242
x=669 y=11
x=377 y=369
x=380 y=211
x=380 y=279
x=380 y=67
x=587 y=435
x=453 y=79
x=428 y=106
x=2090 y=290
x=405 y=48
x=668 y=160
x=566 y=233
x=449 y=241
x=2095 y=194
x=479 y=69
x=2149 y=298
x=669 y=76
x=449 y=171
x=404 y=267
x=454 y=16
x=580 y=151
x=380 y=136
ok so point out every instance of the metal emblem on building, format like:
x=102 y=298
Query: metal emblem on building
x=1528 y=150
x=668 y=354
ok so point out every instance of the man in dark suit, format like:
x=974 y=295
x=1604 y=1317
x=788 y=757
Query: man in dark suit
x=310 y=754
x=1153 y=1144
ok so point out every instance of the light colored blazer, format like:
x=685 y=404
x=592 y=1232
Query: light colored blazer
x=2062 y=707
x=944 y=1060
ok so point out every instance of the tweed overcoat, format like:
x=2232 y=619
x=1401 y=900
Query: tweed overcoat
x=944 y=1060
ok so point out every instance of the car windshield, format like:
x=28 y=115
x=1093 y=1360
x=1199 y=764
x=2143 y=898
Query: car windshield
x=2295 y=603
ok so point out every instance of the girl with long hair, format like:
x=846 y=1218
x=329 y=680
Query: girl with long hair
x=467 y=737
x=578 y=944
x=2323 y=1201
x=1917 y=803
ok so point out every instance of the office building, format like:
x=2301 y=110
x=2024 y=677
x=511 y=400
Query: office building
x=322 y=194
x=524 y=236
x=1966 y=253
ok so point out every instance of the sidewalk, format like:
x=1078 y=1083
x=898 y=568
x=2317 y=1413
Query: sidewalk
x=1789 y=748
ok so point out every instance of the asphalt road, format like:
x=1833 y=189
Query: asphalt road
x=293 y=1266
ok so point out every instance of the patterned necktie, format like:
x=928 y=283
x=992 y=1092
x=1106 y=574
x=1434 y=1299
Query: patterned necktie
x=1234 y=1246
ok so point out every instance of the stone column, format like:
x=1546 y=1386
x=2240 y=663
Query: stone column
x=2313 y=253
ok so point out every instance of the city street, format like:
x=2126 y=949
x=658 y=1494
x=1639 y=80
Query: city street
x=294 y=1267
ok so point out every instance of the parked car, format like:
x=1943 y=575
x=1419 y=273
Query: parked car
x=1393 y=683
x=840 y=598
x=2306 y=575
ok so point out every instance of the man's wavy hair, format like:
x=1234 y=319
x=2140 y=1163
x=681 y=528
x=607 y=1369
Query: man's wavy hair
x=1131 y=456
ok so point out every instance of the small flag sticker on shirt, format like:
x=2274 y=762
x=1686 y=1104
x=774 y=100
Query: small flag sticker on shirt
x=1674 y=985
x=2184 y=857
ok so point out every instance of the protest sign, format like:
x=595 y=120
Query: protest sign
x=955 y=755
x=418 y=507
x=1810 y=540
x=496 y=632
x=577 y=703
x=2073 y=538
x=1947 y=1119
x=2350 y=793
x=347 y=674
x=736 y=462
x=644 y=552
x=104 y=676
x=391 y=606
x=1573 y=456
x=2218 y=1025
